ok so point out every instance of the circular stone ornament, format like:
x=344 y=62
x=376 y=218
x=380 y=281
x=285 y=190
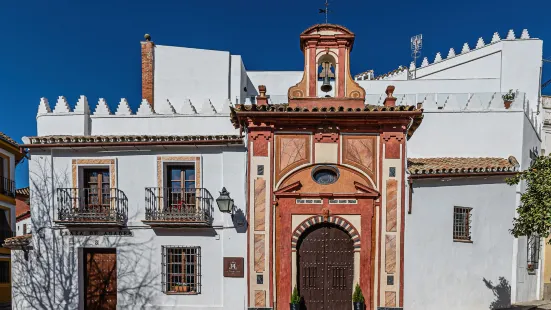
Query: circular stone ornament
x=325 y=175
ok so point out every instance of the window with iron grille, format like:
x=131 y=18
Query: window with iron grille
x=533 y=256
x=4 y=272
x=181 y=270
x=462 y=223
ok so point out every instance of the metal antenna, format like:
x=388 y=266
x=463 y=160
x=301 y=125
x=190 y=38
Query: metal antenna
x=325 y=11
x=416 y=46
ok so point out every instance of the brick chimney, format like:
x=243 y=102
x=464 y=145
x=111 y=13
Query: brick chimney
x=148 y=69
x=390 y=101
x=262 y=99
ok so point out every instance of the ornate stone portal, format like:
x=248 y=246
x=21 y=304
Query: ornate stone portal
x=326 y=164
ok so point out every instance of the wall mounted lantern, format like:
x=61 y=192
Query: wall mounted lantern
x=224 y=201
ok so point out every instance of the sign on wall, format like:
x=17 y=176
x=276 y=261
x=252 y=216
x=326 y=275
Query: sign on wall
x=99 y=233
x=234 y=267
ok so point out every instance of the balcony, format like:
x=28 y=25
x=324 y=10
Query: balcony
x=178 y=207
x=91 y=207
x=7 y=187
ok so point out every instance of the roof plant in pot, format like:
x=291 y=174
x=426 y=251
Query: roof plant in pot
x=295 y=300
x=358 y=298
x=508 y=98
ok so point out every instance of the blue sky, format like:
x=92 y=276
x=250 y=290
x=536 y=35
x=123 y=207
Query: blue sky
x=72 y=48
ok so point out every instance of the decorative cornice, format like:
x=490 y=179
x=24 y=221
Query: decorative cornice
x=130 y=140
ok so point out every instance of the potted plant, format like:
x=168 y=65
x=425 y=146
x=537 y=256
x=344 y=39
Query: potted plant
x=508 y=98
x=186 y=287
x=178 y=287
x=358 y=298
x=295 y=300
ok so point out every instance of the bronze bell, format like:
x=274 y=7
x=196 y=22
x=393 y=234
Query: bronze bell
x=326 y=86
x=326 y=74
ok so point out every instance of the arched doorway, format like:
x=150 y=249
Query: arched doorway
x=325 y=273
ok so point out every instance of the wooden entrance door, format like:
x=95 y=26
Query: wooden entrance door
x=326 y=268
x=100 y=279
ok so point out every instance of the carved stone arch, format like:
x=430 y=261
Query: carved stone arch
x=332 y=219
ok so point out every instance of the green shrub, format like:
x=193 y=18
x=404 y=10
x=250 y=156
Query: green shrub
x=295 y=297
x=358 y=296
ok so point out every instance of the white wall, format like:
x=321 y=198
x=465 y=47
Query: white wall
x=19 y=227
x=443 y=274
x=188 y=73
x=139 y=257
x=472 y=134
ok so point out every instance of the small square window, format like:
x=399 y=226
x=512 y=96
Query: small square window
x=181 y=270
x=392 y=172
x=259 y=279
x=462 y=224
x=260 y=169
x=389 y=280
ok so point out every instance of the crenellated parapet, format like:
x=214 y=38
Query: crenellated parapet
x=123 y=108
x=165 y=117
x=405 y=73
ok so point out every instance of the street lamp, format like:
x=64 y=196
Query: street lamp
x=224 y=201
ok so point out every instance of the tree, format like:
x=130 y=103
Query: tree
x=534 y=212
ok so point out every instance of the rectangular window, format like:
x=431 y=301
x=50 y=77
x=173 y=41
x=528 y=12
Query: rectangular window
x=181 y=270
x=462 y=223
x=4 y=272
x=24 y=229
x=96 y=189
x=181 y=188
x=533 y=256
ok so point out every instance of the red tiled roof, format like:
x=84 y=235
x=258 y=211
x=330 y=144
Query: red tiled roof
x=333 y=111
x=23 y=191
x=9 y=140
x=22 y=207
x=131 y=139
x=461 y=165
x=17 y=242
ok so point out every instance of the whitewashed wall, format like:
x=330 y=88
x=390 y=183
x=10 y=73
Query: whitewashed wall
x=139 y=257
x=443 y=274
x=19 y=227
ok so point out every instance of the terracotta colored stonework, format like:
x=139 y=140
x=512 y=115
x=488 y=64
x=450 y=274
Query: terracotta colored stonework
x=390 y=299
x=291 y=151
x=148 y=58
x=260 y=298
x=392 y=149
x=391 y=204
x=390 y=254
x=360 y=152
x=259 y=204
x=260 y=147
x=259 y=250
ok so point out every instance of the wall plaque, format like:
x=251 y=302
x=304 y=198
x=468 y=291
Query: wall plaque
x=234 y=267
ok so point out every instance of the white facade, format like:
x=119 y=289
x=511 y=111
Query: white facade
x=464 y=117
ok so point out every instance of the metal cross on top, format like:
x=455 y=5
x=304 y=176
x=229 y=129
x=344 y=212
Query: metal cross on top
x=326 y=10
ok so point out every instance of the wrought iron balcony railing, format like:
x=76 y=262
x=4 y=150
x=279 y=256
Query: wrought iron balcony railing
x=88 y=206
x=7 y=187
x=5 y=234
x=166 y=206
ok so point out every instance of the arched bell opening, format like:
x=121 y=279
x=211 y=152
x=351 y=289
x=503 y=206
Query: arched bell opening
x=327 y=77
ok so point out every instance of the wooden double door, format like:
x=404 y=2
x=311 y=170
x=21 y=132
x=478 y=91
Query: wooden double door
x=100 y=279
x=325 y=272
